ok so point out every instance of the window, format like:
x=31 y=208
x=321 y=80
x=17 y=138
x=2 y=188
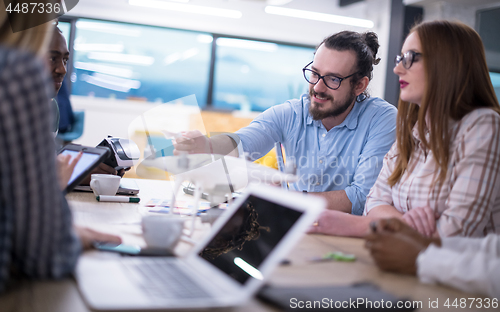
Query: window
x=488 y=23
x=495 y=80
x=124 y=61
x=65 y=27
x=255 y=75
x=155 y=64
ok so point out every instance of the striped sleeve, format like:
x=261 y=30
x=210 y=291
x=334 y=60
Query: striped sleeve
x=36 y=234
x=381 y=192
x=474 y=178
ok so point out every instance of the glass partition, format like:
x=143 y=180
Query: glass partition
x=255 y=75
x=65 y=27
x=495 y=80
x=128 y=61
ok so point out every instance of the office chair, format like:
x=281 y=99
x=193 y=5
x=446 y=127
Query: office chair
x=76 y=128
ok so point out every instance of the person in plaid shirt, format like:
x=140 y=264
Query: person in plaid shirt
x=37 y=238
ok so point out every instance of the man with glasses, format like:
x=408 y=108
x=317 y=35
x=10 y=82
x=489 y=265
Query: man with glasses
x=336 y=134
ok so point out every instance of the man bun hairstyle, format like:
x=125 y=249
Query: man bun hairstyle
x=364 y=45
x=372 y=42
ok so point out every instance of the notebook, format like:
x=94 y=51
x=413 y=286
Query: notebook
x=227 y=268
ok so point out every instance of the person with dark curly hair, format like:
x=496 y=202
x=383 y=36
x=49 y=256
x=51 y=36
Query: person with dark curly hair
x=335 y=134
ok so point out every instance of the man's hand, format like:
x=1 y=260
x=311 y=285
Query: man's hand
x=422 y=219
x=101 y=169
x=394 y=252
x=65 y=167
x=192 y=142
x=395 y=246
x=89 y=236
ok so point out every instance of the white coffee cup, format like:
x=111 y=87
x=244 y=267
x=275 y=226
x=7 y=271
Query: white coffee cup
x=162 y=232
x=105 y=184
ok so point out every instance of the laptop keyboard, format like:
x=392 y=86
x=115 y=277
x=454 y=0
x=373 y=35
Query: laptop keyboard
x=165 y=279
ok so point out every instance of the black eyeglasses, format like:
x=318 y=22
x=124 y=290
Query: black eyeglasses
x=407 y=58
x=331 y=81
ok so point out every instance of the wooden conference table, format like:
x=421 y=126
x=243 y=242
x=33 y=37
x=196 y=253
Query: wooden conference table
x=63 y=295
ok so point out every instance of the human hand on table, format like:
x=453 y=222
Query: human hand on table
x=399 y=227
x=395 y=246
x=329 y=222
x=65 y=166
x=89 y=236
x=394 y=252
x=422 y=219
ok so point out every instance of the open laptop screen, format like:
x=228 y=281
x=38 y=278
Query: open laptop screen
x=249 y=236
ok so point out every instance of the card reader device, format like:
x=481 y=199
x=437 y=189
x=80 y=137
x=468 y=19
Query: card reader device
x=124 y=152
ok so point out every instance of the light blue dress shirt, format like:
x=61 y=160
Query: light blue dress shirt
x=348 y=157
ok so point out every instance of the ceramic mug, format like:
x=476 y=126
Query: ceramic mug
x=162 y=232
x=105 y=184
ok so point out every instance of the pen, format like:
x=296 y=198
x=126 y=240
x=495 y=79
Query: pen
x=120 y=199
x=281 y=162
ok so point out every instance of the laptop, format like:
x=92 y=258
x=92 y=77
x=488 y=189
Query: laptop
x=127 y=187
x=227 y=268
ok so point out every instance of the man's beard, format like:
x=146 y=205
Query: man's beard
x=336 y=110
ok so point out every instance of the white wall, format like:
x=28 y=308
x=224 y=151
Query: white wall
x=462 y=10
x=380 y=13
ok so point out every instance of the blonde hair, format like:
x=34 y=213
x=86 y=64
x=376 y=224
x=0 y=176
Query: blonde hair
x=34 y=39
x=457 y=82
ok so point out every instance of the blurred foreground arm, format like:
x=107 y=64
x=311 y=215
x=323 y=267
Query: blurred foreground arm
x=65 y=167
x=36 y=234
x=89 y=236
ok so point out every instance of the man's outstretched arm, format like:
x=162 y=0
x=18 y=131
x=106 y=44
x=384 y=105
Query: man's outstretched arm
x=194 y=142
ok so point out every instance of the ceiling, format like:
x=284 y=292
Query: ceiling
x=458 y=2
x=254 y=23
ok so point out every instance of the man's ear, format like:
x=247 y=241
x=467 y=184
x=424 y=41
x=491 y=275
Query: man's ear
x=361 y=85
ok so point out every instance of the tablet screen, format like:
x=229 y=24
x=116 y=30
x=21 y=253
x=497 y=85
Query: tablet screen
x=85 y=162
